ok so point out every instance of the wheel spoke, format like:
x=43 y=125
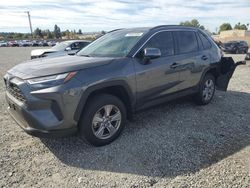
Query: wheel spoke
x=100 y=131
x=108 y=109
x=106 y=121
x=116 y=117
x=97 y=119
x=111 y=129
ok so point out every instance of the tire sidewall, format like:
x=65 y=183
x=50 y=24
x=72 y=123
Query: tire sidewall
x=95 y=103
x=207 y=77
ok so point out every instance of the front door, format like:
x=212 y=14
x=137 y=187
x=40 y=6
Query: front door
x=158 y=77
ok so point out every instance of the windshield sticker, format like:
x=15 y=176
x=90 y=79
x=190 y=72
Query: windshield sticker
x=133 y=34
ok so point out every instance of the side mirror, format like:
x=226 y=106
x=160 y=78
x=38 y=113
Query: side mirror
x=68 y=49
x=152 y=53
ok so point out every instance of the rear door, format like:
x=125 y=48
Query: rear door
x=190 y=60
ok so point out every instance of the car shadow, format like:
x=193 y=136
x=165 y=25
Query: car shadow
x=168 y=140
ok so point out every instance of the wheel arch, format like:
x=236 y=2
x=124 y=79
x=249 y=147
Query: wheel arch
x=213 y=69
x=119 y=89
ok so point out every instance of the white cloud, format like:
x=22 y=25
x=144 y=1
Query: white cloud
x=91 y=15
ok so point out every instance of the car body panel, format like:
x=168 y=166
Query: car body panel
x=60 y=107
x=42 y=67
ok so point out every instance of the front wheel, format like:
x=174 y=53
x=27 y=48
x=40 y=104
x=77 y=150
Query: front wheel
x=102 y=120
x=206 y=90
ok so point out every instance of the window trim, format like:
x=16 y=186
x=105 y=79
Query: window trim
x=200 y=33
x=170 y=30
x=177 y=45
x=172 y=35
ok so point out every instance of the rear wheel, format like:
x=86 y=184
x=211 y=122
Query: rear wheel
x=206 y=90
x=103 y=119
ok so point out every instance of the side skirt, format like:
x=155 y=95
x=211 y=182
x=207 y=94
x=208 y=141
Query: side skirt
x=167 y=98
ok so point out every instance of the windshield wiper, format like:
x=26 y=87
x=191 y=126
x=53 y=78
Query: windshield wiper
x=86 y=55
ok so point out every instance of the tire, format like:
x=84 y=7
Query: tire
x=96 y=125
x=206 y=90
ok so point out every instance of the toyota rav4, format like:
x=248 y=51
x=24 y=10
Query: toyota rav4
x=93 y=92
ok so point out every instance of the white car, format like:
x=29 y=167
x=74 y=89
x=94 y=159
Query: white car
x=3 y=44
x=25 y=43
x=62 y=48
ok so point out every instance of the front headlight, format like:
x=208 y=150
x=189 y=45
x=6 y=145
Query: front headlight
x=50 y=81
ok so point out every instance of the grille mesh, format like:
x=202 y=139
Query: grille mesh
x=15 y=92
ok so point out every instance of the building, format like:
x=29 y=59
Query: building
x=230 y=35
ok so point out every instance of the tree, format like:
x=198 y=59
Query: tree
x=57 y=32
x=38 y=33
x=240 y=26
x=225 y=27
x=193 y=23
x=79 y=32
x=49 y=34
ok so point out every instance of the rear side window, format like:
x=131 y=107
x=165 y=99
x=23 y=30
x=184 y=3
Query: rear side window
x=205 y=42
x=76 y=46
x=186 y=41
x=83 y=44
x=164 y=41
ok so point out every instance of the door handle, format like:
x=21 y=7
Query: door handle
x=174 y=65
x=204 y=57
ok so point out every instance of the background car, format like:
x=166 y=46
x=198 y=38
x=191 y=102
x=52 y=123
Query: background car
x=3 y=44
x=25 y=43
x=43 y=43
x=13 y=44
x=35 y=43
x=235 y=47
x=247 y=56
x=62 y=48
x=52 y=43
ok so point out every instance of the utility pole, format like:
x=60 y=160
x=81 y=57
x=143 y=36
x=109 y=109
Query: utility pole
x=31 y=32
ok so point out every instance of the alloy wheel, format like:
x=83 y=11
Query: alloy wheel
x=208 y=90
x=106 y=121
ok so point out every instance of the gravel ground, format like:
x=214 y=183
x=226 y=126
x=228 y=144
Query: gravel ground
x=177 y=144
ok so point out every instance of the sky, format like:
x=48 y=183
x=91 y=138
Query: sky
x=98 y=15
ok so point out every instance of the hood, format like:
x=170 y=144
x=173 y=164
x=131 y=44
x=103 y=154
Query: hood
x=39 y=52
x=49 y=66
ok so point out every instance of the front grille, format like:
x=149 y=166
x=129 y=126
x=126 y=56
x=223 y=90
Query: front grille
x=15 y=92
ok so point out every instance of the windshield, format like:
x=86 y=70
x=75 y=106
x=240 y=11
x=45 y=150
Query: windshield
x=114 y=44
x=61 y=46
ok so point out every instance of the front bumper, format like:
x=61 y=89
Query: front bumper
x=45 y=113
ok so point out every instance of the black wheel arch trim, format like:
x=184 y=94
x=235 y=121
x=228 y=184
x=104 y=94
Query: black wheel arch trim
x=100 y=86
x=214 y=66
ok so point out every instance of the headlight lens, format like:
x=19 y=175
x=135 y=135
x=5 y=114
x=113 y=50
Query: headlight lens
x=50 y=81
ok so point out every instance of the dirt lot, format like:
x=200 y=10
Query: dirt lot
x=177 y=144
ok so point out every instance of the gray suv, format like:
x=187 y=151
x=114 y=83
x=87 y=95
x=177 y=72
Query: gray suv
x=122 y=72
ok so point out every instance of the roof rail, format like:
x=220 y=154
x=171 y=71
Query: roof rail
x=115 y=30
x=179 y=26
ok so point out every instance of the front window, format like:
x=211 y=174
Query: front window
x=114 y=44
